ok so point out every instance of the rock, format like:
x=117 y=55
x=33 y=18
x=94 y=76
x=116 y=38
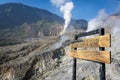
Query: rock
x=41 y=61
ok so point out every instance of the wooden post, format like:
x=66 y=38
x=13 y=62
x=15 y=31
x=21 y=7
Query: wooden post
x=102 y=65
x=74 y=64
x=101 y=48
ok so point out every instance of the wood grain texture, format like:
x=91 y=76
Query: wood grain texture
x=99 y=41
x=98 y=56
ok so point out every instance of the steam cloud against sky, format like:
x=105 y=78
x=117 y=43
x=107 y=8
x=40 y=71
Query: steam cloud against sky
x=103 y=20
x=83 y=9
x=65 y=6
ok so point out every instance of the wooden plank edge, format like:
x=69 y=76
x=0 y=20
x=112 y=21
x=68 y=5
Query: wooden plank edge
x=108 y=62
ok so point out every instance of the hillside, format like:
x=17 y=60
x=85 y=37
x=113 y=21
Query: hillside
x=16 y=14
x=41 y=60
x=19 y=22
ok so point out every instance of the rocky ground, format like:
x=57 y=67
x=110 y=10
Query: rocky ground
x=29 y=60
x=87 y=70
x=40 y=60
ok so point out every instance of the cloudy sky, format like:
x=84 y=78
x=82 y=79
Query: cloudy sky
x=83 y=9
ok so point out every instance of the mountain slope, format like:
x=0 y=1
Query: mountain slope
x=14 y=14
x=19 y=22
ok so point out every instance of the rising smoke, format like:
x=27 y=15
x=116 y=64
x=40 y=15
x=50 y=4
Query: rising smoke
x=65 y=6
x=97 y=22
x=111 y=23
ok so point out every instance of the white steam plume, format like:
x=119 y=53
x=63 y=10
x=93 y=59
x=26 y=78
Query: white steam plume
x=98 y=21
x=103 y=20
x=58 y=3
x=65 y=6
x=66 y=10
x=111 y=23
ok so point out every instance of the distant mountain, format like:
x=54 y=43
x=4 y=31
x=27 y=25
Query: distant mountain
x=115 y=16
x=19 y=21
x=14 y=14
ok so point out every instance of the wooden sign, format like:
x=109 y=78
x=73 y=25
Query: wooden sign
x=99 y=56
x=99 y=41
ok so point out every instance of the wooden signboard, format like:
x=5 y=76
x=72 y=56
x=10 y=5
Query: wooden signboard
x=99 y=41
x=99 y=56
